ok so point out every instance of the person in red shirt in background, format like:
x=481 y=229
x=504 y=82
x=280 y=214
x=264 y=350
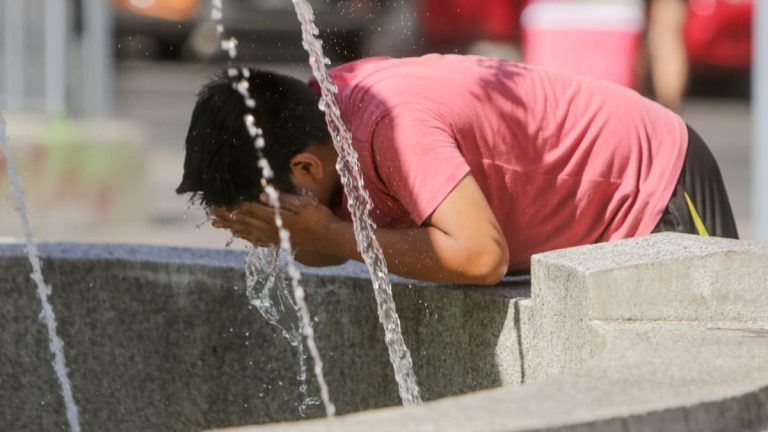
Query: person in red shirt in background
x=651 y=51
x=635 y=43
x=473 y=164
x=595 y=38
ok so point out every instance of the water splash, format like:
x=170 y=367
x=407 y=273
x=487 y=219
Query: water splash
x=359 y=206
x=55 y=343
x=239 y=78
x=265 y=270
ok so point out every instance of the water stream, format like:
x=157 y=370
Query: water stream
x=55 y=343
x=359 y=206
x=267 y=301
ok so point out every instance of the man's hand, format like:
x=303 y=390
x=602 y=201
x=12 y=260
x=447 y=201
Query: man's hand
x=304 y=217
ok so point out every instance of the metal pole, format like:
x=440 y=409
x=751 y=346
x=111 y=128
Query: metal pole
x=56 y=44
x=14 y=58
x=760 y=121
x=97 y=57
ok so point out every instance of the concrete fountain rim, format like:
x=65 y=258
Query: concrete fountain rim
x=510 y=287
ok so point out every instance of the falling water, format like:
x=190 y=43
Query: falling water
x=43 y=291
x=265 y=270
x=359 y=206
x=239 y=78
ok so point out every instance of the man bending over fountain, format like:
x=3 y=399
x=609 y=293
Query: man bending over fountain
x=473 y=164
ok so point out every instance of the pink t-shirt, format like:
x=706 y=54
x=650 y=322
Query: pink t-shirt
x=562 y=160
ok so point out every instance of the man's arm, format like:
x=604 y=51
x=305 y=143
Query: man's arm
x=315 y=258
x=461 y=242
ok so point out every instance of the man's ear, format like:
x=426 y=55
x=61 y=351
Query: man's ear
x=306 y=165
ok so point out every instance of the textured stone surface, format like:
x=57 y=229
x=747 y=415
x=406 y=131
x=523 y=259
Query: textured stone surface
x=667 y=332
x=672 y=277
x=668 y=277
x=627 y=336
x=660 y=377
x=159 y=339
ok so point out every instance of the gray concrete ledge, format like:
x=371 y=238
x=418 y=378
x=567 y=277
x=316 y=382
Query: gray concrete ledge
x=510 y=287
x=667 y=332
x=163 y=339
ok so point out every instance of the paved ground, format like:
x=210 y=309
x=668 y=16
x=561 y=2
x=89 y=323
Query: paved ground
x=160 y=96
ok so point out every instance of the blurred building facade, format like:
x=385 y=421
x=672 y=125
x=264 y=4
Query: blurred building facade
x=56 y=56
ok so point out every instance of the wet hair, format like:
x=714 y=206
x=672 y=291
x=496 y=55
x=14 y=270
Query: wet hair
x=221 y=165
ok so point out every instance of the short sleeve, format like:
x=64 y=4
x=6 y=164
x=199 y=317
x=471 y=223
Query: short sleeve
x=417 y=158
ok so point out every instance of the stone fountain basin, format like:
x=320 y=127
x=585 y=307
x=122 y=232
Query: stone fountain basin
x=667 y=332
x=163 y=339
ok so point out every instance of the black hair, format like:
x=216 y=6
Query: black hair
x=221 y=165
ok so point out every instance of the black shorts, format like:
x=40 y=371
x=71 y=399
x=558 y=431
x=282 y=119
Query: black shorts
x=700 y=179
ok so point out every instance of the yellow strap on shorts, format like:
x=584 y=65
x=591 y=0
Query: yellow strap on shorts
x=697 y=222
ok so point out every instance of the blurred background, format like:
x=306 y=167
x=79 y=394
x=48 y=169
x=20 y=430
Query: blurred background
x=97 y=94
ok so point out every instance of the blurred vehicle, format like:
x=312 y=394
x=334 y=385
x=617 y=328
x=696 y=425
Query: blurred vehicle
x=265 y=29
x=718 y=34
x=450 y=25
x=168 y=10
x=155 y=26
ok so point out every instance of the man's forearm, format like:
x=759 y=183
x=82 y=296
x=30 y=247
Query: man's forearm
x=424 y=253
x=315 y=258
